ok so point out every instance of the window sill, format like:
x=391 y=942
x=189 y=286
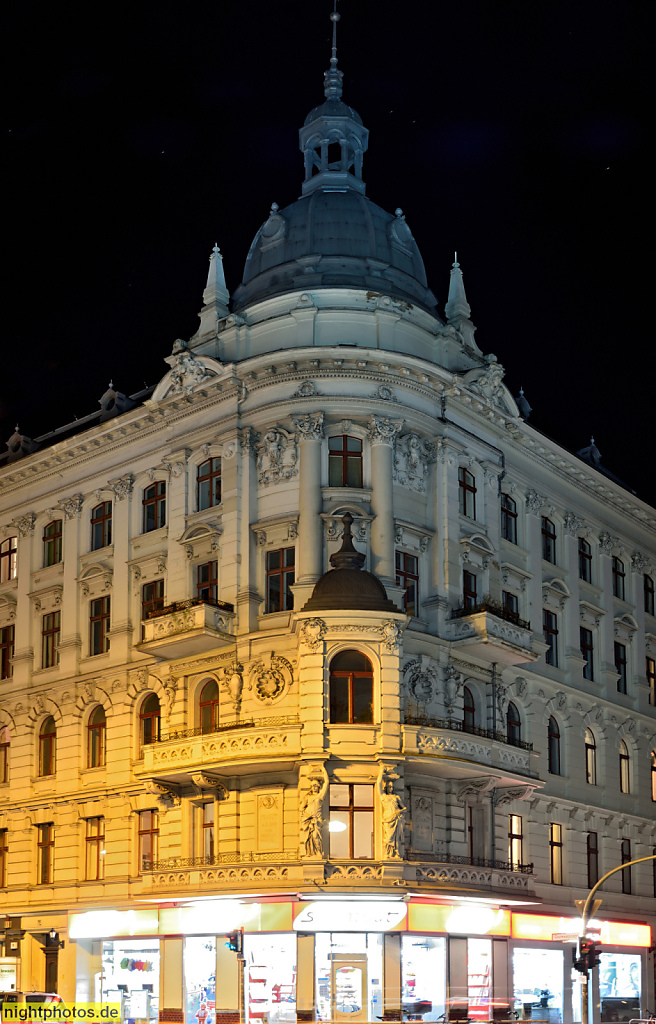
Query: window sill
x=96 y=657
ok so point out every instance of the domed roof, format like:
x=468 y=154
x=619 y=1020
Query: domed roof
x=333 y=108
x=348 y=587
x=334 y=238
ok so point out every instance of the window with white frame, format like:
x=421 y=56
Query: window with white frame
x=8 y=563
x=466 y=493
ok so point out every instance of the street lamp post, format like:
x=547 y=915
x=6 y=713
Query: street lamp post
x=585 y=915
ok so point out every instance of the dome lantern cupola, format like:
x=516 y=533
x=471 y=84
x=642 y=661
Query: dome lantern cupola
x=333 y=138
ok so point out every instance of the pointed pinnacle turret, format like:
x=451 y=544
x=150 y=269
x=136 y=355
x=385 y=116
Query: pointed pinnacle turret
x=332 y=79
x=216 y=296
x=457 y=309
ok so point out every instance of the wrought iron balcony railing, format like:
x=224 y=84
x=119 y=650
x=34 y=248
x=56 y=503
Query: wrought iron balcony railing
x=476 y=862
x=494 y=609
x=455 y=725
x=237 y=723
x=192 y=602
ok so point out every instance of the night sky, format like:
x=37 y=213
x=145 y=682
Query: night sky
x=517 y=133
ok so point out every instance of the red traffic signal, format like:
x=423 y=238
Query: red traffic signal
x=235 y=941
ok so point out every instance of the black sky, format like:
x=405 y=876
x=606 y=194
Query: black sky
x=516 y=133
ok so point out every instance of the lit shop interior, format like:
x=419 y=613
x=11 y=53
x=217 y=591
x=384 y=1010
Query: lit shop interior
x=510 y=963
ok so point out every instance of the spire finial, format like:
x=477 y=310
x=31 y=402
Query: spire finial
x=455 y=260
x=332 y=79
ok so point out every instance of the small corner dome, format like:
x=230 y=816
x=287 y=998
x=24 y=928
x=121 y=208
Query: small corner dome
x=334 y=239
x=332 y=108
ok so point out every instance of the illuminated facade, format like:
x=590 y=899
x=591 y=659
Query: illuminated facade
x=323 y=640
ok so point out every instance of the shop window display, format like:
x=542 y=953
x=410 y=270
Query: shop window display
x=130 y=976
x=619 y=986
x=270 y=979
x=349 y=974
x=423 y=961
x=200 y=979
x=538 y=984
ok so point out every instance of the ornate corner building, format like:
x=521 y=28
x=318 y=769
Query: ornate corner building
x=322 y=640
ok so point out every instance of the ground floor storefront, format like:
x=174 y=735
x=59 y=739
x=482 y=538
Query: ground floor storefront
x=353 y=960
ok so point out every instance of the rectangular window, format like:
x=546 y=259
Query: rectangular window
x=508 y=518
x=50 y=630
x=650 y=670
x=351 y=826
x=208 y=484
x=510 y=604
x=466 y=493
x=6 y=651
x=4 y=754
x=585 y=561
x=548 y=541
x=556 y=853
x=4 y=853
x=101 y=525
x=621 y=666
x=152 y=598
x=99 y=626
x=207 y=582
x=649 y=595
x=515 y=841
x=52 y=543
x=280 y=579
x=550 y=631
x=593 y=859
x=587 y=652
x=154 y=506
x=207 y=811
x=148 y=839
x=95 y=849
x=344 y=461
x=618 y=578
x=46 y=852
x=625 y=851
x=469 y=590
x=8 y=550
x=407 y=576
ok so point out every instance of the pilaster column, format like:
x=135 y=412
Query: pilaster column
x=177 y=582
x=310 y=524
x=608 y=674
x=248 y=595
x=305 y=977
x=171 y=982
x=636 y=593
x=572 y=615
x=449 y=568
x=70 y=643
x=121 y=625
x=382 y=432
x=534 y=505
x=24 y=620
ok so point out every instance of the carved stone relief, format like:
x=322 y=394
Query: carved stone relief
x=277 y=456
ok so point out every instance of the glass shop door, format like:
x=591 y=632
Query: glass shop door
x=349 y=987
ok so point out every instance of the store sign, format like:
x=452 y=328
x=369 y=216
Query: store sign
x=105 y=924
x=8 y=973
x=215 y=917
x=354 y=916
x=611 y=933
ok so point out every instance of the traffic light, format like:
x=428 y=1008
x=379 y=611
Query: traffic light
x=580 y=960
x=236 y=941
x=594 y=958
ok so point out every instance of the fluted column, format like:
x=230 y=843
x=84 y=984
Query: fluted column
x=382 y=432
x=310 y=525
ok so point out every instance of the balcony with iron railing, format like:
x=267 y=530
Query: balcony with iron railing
x=486 y=748
x=186 y=628
x=489 y=630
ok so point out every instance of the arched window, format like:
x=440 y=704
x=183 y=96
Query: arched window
x=209 y=707
x=351 y=688
x=149 y=721
x=47 y=747
x=466 y=493
x=653 y=775
x=96 y=739
x=52 y=543
x=590 y=758
x=513 y=724
x=625 y=768
x=8 y=551
x=469 y=721
x=548 y=540
x=554 y=746
x=508 y=518
x=344 y=461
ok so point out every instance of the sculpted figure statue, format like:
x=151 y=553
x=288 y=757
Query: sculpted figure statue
x=311 y=816
x=392 y=816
